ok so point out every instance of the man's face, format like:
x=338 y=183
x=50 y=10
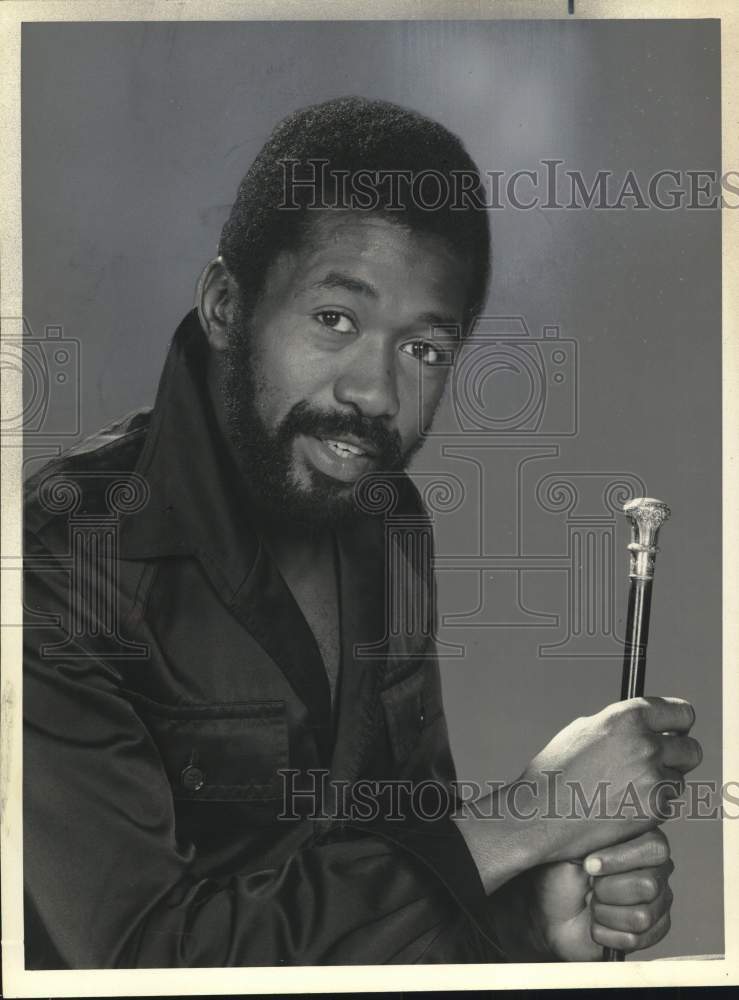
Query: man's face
x=341 y=367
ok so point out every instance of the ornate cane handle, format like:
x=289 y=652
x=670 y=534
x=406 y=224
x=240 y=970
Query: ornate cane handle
x=646 y=515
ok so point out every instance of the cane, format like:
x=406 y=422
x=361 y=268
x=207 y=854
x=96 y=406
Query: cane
x=646 y=516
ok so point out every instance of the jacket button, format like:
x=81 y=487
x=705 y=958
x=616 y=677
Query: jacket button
x=192 y=778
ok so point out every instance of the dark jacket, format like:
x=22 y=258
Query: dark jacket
x=173 y=691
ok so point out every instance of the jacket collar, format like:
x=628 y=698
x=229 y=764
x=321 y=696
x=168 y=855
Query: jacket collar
x=195 y=505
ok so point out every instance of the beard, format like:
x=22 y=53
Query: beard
x=265 y=455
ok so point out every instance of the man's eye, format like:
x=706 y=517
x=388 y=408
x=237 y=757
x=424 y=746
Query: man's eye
x=427 y=353
x=337 y=321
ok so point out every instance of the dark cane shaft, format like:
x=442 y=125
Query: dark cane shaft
x=637 y=636
x=646 y=516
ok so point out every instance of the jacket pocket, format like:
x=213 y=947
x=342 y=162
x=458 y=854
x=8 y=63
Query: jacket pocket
x=411 y=706
x=220 y=752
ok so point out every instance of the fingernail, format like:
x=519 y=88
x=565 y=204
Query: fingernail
x=593 y=866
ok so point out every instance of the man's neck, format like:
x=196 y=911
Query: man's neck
x=295 y=549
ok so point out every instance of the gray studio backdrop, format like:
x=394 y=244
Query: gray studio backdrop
x=134 y=139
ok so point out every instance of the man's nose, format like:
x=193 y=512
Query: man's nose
x=368 y=381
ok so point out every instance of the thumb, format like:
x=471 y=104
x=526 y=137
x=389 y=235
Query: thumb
x=562 y=890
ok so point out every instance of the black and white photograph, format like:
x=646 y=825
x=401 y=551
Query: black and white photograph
x=366 y=453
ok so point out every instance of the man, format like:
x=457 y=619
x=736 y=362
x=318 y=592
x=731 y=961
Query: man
x=184 y=693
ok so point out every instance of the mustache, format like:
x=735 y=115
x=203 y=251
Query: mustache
x=385 y=443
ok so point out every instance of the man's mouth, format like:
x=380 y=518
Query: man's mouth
x=342 y=458
x=346 y=449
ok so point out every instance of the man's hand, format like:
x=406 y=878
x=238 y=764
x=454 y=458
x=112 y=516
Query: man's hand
x=617 y=773
x=559 y=912
x=604 y=779
x=627 y=906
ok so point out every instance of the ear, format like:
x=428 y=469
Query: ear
x=215 y=297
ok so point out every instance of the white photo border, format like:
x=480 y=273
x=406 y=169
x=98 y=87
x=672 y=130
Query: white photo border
x=17 y=982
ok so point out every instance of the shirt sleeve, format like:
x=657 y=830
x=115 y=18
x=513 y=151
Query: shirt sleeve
x=109 y=885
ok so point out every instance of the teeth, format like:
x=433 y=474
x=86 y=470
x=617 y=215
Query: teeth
x=343 y=448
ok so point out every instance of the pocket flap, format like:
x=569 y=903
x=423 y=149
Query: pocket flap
x=221 y=752
x=410 y=705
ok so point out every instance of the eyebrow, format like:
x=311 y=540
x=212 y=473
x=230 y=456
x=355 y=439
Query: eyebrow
x=339 y=279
